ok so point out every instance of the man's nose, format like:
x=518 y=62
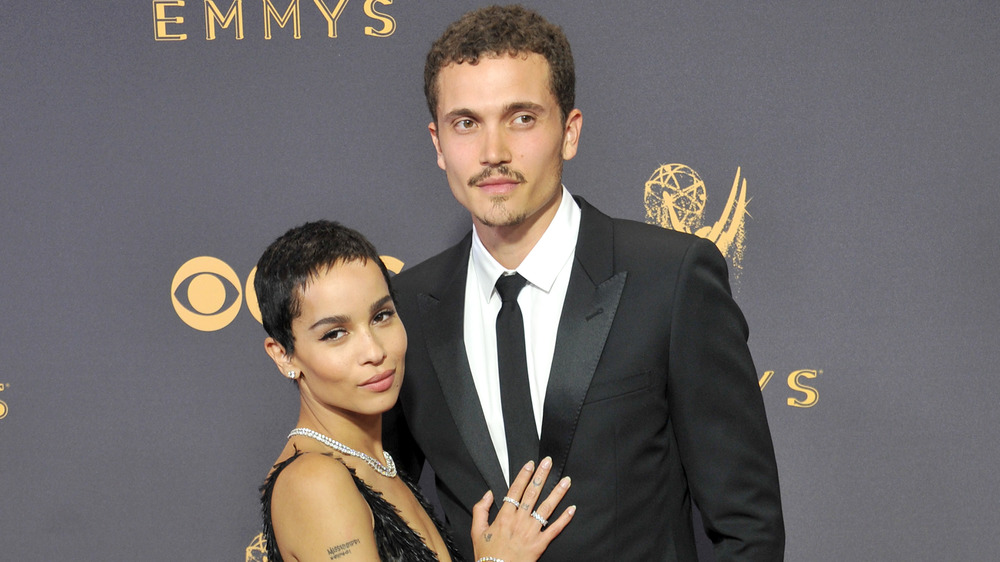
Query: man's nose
x=495 y=149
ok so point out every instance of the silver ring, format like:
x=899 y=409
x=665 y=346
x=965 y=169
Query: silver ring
x=539 y=518
x=516 y=503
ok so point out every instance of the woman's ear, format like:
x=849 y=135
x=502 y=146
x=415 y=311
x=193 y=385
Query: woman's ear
x=281 y=358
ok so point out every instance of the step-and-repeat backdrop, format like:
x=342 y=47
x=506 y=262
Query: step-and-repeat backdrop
x=843 y=154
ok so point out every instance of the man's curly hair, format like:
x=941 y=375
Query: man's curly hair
x=496 y=31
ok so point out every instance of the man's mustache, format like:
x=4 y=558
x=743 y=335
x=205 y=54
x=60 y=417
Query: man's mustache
x=503 y=171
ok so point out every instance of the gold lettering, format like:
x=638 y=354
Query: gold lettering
x=811 y=394
x=160 y=20
x=213 y=15
x=292 y=11
x=331 y=16
x=388 y=24
x=765 y=379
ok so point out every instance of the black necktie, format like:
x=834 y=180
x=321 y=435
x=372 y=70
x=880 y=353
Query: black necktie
x=515 y=394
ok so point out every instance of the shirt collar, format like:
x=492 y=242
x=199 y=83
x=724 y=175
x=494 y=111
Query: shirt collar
x=544 y=262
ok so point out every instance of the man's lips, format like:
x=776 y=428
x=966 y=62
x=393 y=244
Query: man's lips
x=497 y=184
x=380 y=382
x=496 y=178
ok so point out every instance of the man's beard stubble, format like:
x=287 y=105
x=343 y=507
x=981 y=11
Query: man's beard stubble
x=504 y=217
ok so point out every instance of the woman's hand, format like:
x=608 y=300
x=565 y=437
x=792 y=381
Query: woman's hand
x=518 y=534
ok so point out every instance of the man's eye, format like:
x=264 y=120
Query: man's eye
x=524 y=119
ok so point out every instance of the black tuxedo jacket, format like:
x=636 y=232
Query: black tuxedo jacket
x=652 y=401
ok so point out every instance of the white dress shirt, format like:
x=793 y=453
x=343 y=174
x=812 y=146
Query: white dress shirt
x=547 y=268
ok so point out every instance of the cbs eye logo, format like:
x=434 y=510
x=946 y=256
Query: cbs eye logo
x=207 y=293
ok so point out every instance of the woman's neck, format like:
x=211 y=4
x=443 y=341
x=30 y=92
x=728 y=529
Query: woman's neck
x=360 y=432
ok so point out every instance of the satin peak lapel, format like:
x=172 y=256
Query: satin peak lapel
x=446 y=348
x=589 y=310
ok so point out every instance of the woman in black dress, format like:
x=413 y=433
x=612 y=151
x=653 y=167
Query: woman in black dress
x=334 y=493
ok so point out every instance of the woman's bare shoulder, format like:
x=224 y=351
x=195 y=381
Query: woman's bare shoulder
x=313 y=477
x=316 y=507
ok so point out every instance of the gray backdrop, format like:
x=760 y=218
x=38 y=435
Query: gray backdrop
x=867 y=133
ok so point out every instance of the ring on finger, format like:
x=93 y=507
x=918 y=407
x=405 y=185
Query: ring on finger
x=509 y=500
x=539 y=518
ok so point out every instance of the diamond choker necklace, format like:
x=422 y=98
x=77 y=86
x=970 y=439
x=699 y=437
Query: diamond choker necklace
x=388 y=469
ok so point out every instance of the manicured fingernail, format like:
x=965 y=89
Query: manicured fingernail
x=547 y=462
x=530 y=466
x=571 y=510
x=565 y=482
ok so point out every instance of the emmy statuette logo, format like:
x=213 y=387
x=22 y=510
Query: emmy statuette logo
x=675 y=197
x=257 y=550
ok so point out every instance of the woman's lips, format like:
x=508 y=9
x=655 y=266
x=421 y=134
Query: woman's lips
x=380 y=382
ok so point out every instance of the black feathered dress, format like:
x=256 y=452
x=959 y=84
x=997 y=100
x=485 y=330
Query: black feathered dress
x=395 y=540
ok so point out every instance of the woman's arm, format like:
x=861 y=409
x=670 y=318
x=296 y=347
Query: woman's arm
x=318 y=513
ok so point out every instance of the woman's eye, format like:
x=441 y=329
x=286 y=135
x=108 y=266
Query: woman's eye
x=384 y=315
x=334 y=335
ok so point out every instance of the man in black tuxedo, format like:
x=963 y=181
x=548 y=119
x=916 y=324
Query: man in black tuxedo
x=640 y=385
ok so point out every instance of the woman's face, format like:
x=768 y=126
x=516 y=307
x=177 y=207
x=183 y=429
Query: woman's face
x=349 y=342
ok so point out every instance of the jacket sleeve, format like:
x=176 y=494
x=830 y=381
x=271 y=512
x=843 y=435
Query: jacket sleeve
x=718 y=412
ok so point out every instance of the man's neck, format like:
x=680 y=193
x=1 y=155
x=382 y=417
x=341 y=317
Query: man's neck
x=509 y=245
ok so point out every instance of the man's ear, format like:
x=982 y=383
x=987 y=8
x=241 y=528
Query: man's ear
x=281 y=358
x=571 y=134
x=432 y=128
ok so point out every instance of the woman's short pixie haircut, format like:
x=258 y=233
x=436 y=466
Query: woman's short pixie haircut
x=496 y=31
x=291 y=261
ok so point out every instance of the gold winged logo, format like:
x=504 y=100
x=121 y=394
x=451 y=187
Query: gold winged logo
x=675 y=198
x=257 y=549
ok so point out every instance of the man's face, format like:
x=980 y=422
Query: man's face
x=501 y=140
